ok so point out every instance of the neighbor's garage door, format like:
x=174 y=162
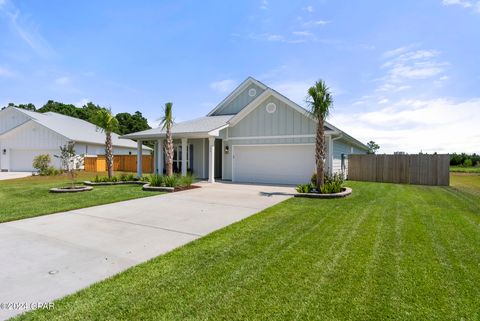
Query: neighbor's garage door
x=21 y=159
x=278 y=164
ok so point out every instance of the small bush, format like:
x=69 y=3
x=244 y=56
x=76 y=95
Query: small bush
x=305 y=188
x=96 y=179
x=332 y=184
x=171 y=181
x=42 y=163
x=157 y=180
x=468 y=163
x=131 y=178
x=186 y=180
x=51 y=171
x=123 y=177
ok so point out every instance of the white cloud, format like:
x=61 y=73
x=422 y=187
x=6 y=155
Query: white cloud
x=405 y=65
x=474 y=5
x=264 y=5
x=303 y=33
x=314 y=23
x=308 y=8
x=223 y=86
x=25 y=29
x=437 y=125
x=461 y=3
x=62 y=81
x=82 y=102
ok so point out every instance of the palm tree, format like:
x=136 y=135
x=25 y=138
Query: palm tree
x=319 y=100
x=166 y=123
x=107 y=123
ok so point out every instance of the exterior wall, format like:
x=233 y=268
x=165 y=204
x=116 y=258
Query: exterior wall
x=198 y=156
x=284 y=121
x=343 y=147
x=33 y=137
x=11 y=118
x=260 y=127
x=239 y=102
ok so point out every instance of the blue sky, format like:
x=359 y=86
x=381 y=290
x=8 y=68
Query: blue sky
x=404 y=73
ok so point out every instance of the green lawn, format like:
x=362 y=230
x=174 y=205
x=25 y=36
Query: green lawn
x=461 y=169
x=27 y=197
x=386 y=252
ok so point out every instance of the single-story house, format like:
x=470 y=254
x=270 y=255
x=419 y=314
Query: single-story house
x=25 y=134
x=255 y=135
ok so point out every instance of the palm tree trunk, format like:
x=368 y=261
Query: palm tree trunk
x=320 y=153
x=109 y=153
x=169 y=152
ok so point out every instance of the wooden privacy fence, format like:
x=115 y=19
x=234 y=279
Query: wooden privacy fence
x=419 y=169
x=121 y=163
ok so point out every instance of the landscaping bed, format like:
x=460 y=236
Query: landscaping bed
x=343 y=193
x=71 y=189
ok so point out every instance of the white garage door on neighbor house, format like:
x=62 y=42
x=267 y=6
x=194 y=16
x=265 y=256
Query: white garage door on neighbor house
x=21 y=159
x=293 y=164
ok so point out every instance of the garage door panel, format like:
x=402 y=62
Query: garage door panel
x=281 y=164
x=21 y=159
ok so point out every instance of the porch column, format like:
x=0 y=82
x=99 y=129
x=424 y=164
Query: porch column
x=139 y=158
x=329 y=155
x=184 y=156
x=155 y=157
x=211 y=159
x=160 y=157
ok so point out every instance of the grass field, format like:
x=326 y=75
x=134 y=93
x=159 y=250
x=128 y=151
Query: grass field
x=28 y=197
x=387 y=252
x=461 y=169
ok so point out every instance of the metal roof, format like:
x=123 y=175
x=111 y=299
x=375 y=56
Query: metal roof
x=75 y=129
x=202 y=125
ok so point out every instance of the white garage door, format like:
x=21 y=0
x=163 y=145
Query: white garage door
x=277 y=164
x=21 y=159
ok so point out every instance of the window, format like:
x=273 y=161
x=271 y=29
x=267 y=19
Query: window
x=177 y=158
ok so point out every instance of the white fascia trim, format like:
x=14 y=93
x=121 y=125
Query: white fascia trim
x=216 y=132
x=237 y=92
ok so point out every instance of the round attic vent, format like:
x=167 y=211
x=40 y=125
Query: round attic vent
x=271 y=107
x=252 y=92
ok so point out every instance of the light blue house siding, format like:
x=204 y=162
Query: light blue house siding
x=343 y=147
x=240 y=101
x=261 y=127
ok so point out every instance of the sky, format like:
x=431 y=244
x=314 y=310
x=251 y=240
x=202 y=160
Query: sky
x=405 y=74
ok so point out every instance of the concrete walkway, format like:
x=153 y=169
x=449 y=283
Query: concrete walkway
x=47 y=257
x=12 y=175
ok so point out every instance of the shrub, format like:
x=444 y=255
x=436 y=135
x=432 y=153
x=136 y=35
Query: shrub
x=51 y=171
x=304 y=188
x=123 y=177
x=332 y=184
x=131 y=178
x=468 y=163
x=42 y=163
x=96 y=179
x=171 y=181
x=186 y=180
x=156 y=180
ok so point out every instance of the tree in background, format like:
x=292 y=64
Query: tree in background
x=372 y=147
x=129 y=123
x=106 y=122
x=319 y=100
x=28 y=106
x=167 y=123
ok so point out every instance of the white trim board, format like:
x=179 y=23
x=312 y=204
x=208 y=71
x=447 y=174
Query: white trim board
x=274 y=137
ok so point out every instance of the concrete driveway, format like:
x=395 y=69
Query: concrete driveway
x=47 y=257
x=11 y=175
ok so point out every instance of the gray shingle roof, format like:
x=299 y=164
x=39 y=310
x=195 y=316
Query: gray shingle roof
x=198 y=125
x=75 y=129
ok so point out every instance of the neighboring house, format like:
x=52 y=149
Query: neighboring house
x=254 y=135
x=25 y=134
